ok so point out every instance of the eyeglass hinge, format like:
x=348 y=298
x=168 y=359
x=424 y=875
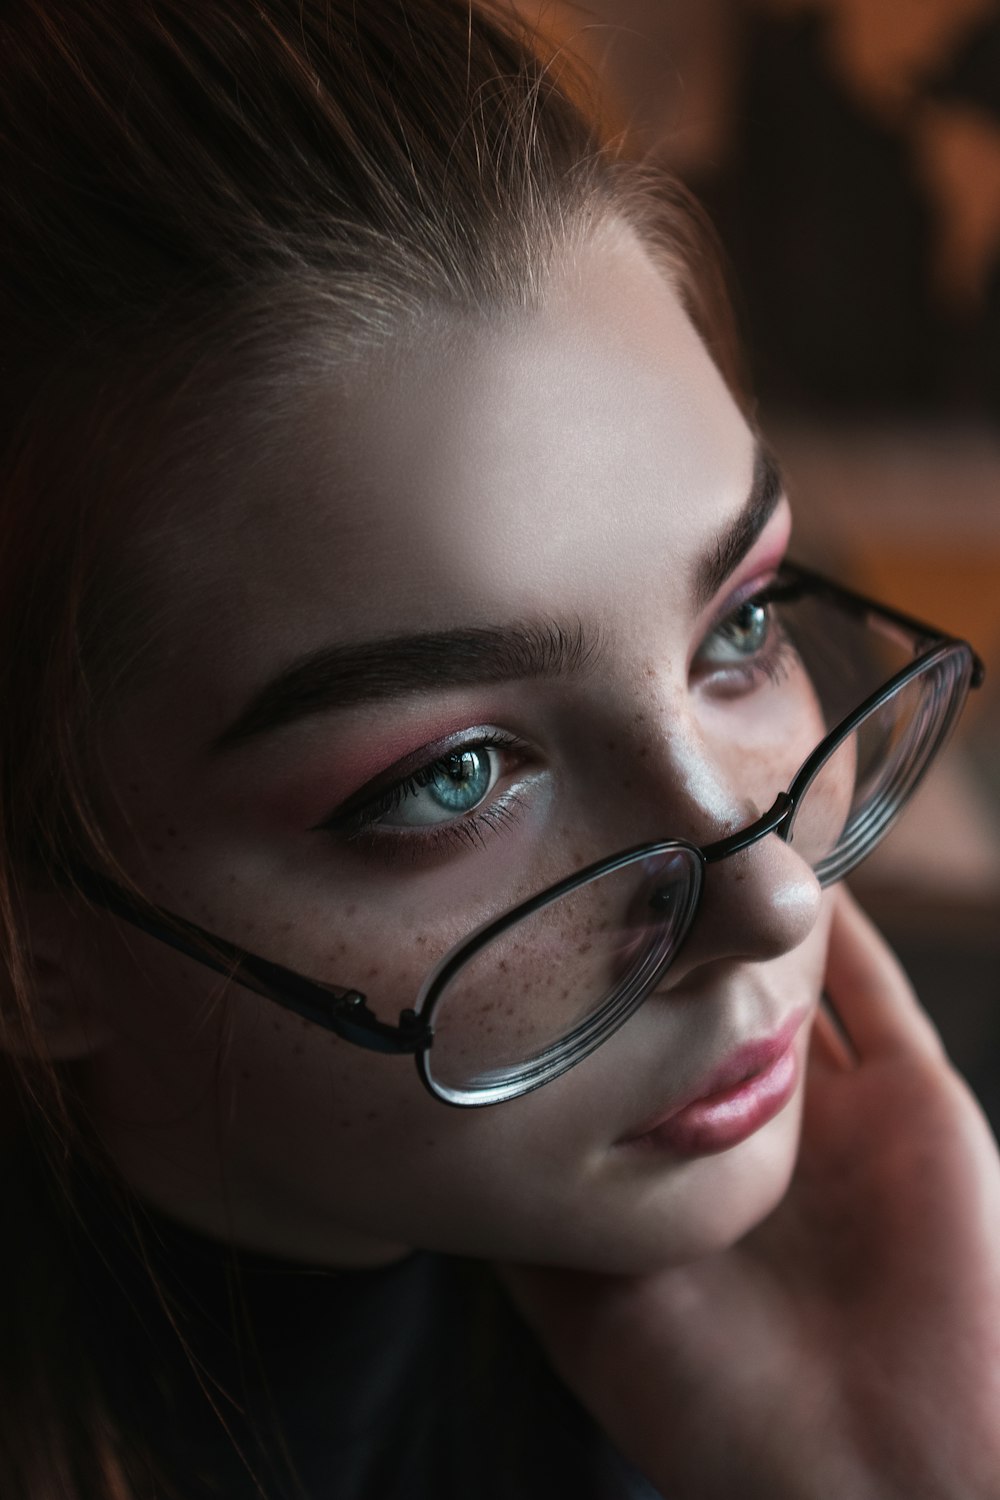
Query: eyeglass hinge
x=356 y=1023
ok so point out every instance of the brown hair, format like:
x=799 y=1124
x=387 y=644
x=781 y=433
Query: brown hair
x=195 y=195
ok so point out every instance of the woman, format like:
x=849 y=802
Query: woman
x=400 y=663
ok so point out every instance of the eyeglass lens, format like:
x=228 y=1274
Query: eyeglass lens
x=548 y=978
x=860 y=789
x=546 y=991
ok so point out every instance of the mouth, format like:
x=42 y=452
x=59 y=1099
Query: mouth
x=734 y=1101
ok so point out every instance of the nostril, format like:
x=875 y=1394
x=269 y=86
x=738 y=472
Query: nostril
x=662 y=901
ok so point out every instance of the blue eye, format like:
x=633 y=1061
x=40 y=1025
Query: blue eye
x=452 y=786
x=740 y=636
x=452 y=791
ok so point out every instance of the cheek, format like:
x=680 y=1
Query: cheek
x=319 y=1133
x=251 y=1102
x=198 y=1033
x=294 y=1087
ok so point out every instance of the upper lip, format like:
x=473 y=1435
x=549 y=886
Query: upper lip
x=738 y=1067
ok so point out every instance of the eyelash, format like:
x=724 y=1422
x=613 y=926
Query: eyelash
x=360 y=824
x=780 y=653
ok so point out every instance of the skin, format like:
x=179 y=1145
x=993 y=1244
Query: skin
x=826 y=1293
x=849 y=1345
x=572 y=463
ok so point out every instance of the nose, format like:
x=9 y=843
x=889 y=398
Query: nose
x=756 y=905
x=760 y=901
x=707 y=778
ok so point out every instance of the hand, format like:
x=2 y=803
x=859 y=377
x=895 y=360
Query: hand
x=849 y=1348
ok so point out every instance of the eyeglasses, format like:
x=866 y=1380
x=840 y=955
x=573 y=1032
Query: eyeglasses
x=532 y=992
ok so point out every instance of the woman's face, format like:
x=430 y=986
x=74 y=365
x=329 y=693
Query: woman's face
x=575 y=478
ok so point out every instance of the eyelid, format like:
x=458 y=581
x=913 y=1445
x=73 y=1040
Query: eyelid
x=756 y=587
x=346 y=813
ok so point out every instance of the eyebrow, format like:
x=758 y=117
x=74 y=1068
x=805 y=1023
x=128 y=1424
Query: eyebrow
x=350 y=675
x=735 y=541
x=402 y=666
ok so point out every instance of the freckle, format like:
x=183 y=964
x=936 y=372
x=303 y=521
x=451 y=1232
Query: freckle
x=185 y=894
x=627 y=784
x=183 y=847
x=350 y=910
x=373 y=972
x=303 y=1022
x=372 y=1115
x=643 y=751
x=344 y=1124
x=298 y=1049
x=429 y=1142
x=245 y=1075
x=286 y=926
x=171 y=833
x=421 y=941
x=276 y=1025
x=157 y=848
x=612 y=745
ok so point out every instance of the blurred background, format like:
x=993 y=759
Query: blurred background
x=849 y=154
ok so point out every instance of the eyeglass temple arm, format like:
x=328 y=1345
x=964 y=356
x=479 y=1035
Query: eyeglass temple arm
x=342 y=1011
x=860 y=604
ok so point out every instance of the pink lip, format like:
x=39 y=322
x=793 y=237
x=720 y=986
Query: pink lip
x=737 y=1099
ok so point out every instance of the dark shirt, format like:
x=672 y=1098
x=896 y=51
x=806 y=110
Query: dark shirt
x=245 y=1376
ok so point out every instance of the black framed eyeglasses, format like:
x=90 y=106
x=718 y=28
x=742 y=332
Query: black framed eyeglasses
x=531 y=993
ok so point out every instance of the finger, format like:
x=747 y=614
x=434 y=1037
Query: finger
x=869 y=991
x=830 y=1043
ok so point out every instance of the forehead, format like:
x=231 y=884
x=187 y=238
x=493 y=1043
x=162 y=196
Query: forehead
x=547 y=462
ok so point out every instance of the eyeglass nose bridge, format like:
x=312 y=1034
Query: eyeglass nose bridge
x=775 y=820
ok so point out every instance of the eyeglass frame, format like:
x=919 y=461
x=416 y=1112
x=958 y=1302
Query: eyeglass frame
x=344 y=1011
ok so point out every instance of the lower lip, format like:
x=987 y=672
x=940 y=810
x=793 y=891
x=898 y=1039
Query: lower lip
x=725 y=1119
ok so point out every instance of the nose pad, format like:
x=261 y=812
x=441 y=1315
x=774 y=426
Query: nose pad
x=706 y=787
x=659 y=913
x=756 y=905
